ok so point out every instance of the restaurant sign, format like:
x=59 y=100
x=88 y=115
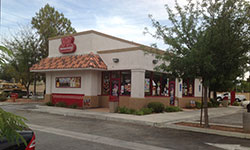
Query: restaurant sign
x=67 y=45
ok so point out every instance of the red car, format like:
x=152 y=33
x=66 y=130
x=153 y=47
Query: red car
x=28 y=135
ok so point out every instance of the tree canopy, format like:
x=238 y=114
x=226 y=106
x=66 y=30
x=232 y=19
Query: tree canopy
x=48 y=22
x=24 y=47
x=208 y=40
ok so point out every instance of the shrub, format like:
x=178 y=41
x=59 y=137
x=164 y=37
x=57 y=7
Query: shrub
x=209 y=104
x=147 y=111
x=215 y=103
x=236 y=104
x=172 y=109
x=49 y=103
x=73 y=106
x=61 y=104
x=123 y=110
x=198 y=105
x=3 y=97
x=143 y=111
x=139 y=112
x=157 y=107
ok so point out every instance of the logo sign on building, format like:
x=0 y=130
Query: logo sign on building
x=67 y=45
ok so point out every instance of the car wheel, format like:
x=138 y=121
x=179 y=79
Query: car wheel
x=219 y=99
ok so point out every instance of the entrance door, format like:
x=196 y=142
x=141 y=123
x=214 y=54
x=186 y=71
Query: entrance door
x=114 y=90
x=172 y=92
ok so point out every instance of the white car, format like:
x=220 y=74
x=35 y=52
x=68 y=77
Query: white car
x=245 y=103
x=238 y=98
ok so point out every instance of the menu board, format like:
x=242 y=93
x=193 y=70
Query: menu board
x=68 y=82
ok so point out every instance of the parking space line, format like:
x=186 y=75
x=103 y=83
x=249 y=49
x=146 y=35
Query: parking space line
x=96 y=138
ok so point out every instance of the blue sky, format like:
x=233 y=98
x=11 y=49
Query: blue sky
x=122 y=18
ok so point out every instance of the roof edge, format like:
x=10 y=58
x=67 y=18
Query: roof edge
x=69 y=69
x=108 y=36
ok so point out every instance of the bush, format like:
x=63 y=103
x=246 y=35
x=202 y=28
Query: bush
x=143 y=111
x=125 y=110
x=73 y=106
x=3 y=97
x=157 y=107
x=198 y=105
x=236 y=104
x=215 y=103
x=49 y=103
x=147 y=111
x=61 y=104
x=209 y=104
x=172 y=109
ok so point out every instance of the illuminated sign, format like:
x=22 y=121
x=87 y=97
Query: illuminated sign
x=67 y=45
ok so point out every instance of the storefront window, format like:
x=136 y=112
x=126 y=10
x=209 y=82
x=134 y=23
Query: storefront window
x=125 y=83
x=115 y=74
x=147 y=85
x=68 y=82
x=105 y=83
x=156 y=84
x=165 y=86
x=188 y=88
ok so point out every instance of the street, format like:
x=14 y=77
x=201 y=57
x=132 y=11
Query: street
x=55 y=132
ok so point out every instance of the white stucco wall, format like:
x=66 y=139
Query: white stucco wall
x=197 y=88
x=48 y=83
x=130 y=60
x=87 y=43
x=90 y=82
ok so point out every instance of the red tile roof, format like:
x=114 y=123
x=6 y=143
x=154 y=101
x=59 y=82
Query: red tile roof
x=71 y=62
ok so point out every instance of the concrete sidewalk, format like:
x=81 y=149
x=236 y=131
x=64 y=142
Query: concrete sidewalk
x=162 y=120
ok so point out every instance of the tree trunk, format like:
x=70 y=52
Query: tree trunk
x=201 y=106
x=205 y=108
x=214 y=95
x=35 y=85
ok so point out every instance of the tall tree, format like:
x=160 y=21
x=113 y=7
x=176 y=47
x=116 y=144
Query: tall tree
x=198 y=44
x=24 y=46
x=10 y=123
x=48 y=22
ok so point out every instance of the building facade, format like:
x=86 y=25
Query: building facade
x=92 y=69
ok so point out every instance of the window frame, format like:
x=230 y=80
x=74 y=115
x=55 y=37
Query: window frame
x=69 y=77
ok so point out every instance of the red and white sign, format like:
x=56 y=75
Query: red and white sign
x=67 y=45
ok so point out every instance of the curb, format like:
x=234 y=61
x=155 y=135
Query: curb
x=170 y=124
x=209 y=131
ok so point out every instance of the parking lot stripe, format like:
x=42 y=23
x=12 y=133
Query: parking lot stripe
x=96 y=138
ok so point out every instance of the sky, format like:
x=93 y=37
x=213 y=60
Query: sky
x=121 y=18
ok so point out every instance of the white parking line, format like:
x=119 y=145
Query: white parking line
x=96 y=138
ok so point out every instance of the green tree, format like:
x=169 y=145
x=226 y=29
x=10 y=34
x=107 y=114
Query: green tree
x=200 y=40
x=10 y=123
x=48 y=22
x=24 y=46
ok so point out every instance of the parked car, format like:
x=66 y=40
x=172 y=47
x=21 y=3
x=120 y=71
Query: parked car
x=28 y=135
x=245 y=103
x=238 y=98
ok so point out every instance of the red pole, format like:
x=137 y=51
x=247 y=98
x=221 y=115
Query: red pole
x=232 y=97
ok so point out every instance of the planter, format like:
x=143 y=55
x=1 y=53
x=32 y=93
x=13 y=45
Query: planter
x=246 y=122
x=113 y=106
x=225 y=103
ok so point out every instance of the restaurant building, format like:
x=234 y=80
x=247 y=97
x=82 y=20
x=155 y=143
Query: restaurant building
x=93 y=69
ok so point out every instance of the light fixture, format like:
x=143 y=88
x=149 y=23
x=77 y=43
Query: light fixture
x=115 y=60
x=155 y=61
